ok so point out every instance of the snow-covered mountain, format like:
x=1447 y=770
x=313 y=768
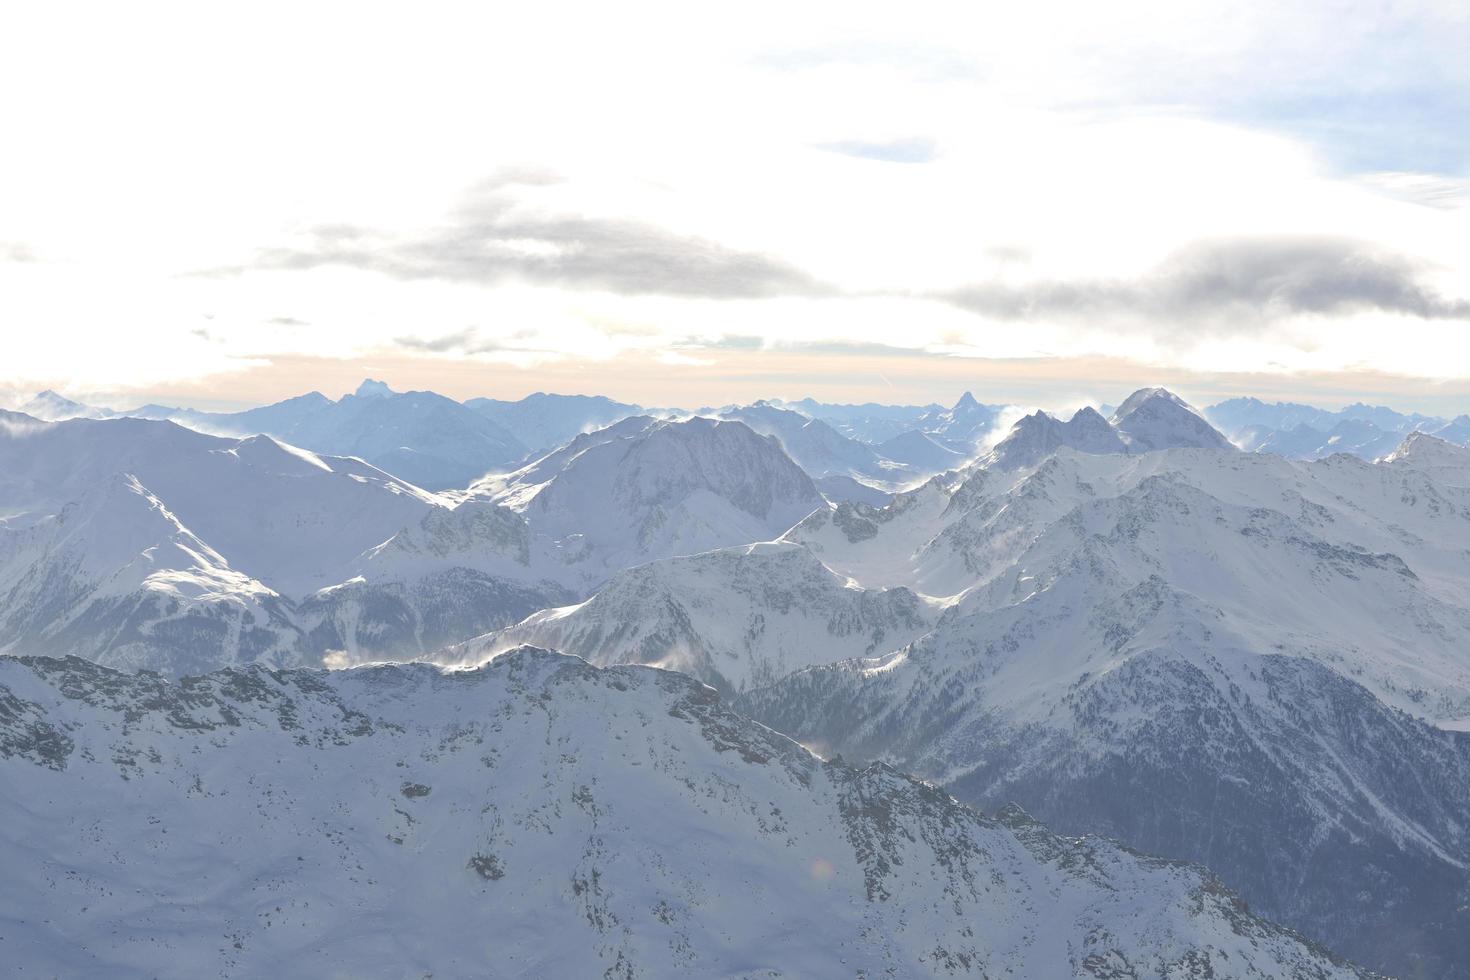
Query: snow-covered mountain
x=542 y=421
x=1038 y=435
x=52 y=406
x=639 y=490
x=538 y=817
x=1155 y=418
x=962 y=427
x=920 y=452
x=734 y=618
x=1304 y=432
x=1237 y=659
x=869 y=422
x=821 y=450
x=142 y=543
x=425 y=438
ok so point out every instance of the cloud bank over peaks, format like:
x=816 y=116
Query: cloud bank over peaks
x=494 y=236
x=1235 y=284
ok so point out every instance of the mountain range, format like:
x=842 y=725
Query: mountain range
x=1127 y=624
x=1305 y=432
x=141 y=543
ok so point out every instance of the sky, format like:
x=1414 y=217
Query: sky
x=690 y=204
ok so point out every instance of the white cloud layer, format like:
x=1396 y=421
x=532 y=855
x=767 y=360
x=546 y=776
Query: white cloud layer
x=1258 y=188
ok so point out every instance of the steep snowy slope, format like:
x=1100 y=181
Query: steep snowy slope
x=1223 y=657
x=1154 y=418
x=115 y=577
x=1038 y=435
x=142 y=543
x=279 y=514
x=735 y=618
x=287 y=556
x=538 y=817
x=670 y=488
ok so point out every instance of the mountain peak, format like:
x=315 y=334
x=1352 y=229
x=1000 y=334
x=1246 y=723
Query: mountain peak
x=371 y=388
x=1156 y=418
x=1144 y=396
x=967 y=401
x=1421 y=447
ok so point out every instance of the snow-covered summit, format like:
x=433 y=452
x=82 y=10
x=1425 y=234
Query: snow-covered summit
x=1155 y=418
x=1038 y=435
x=53 y=406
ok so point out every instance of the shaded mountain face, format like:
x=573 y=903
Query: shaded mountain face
x=869 y=422
x=1223 y=657
x=1304 y=432
x=144 y=544
x=1039 y=435
x=542 y=421
x=372 y=822
x=425 y=438
x=918 y=450
x=813 y=444
x=1150 y=419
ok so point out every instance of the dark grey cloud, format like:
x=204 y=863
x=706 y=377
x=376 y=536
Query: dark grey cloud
x=460 y=341
x=471 y=340
x=1243 y=280
x=491 y=238
x=913 y=150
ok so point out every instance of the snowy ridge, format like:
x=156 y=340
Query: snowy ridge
x=734 y=618
x=1145 y=633
x=377 y=821
x=201 y=551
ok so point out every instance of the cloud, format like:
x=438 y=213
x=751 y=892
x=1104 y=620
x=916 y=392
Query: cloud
x=915 y=149
x=471 y=340
x=491 y=239
x=16 y=252
x=1245 y=280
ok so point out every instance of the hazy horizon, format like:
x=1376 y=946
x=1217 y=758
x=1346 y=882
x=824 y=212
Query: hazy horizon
x=1043 y=205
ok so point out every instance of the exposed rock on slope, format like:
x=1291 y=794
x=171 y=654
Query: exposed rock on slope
x=538 y=817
